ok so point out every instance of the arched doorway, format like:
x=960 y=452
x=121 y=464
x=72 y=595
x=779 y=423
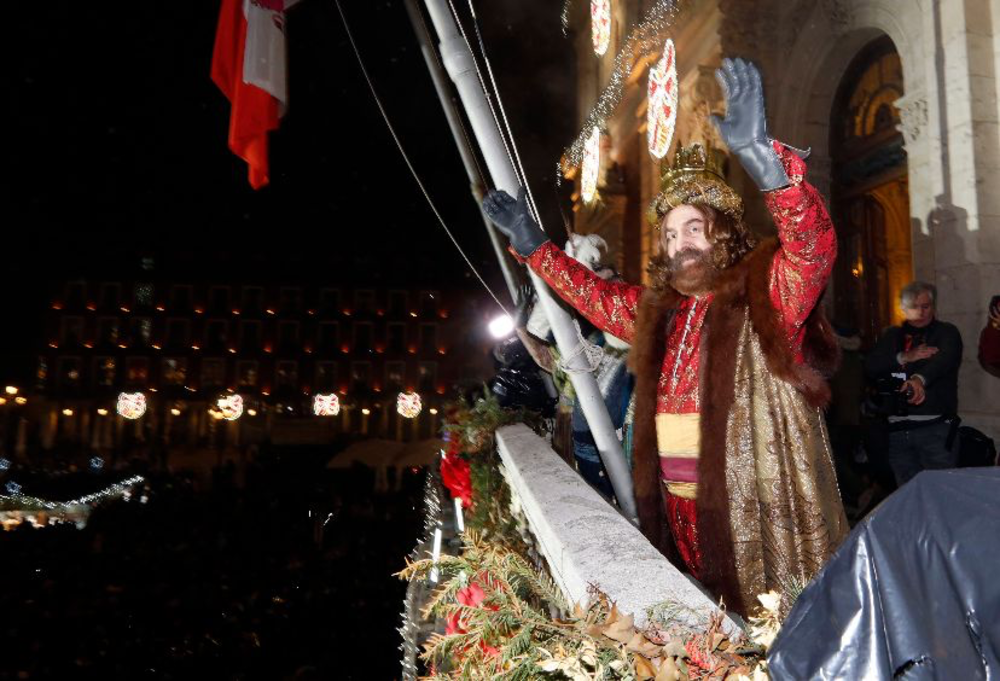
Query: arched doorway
x=869 y=193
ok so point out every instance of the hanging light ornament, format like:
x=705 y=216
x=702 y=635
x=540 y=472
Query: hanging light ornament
x=408 y=405
x=131 y=405
x=591 y=166
x=600 y=25
x=326 y=405
x=661 y=109
x=230 y=406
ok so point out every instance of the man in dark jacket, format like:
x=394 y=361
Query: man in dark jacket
x=915 y=367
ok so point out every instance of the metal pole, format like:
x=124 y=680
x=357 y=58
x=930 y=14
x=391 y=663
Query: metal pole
x=468 y=159
x=459 y=63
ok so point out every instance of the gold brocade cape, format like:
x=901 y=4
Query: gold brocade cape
x=769 y=512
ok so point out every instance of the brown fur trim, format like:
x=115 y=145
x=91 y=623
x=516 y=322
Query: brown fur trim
x=645 y=360
x=716 y=383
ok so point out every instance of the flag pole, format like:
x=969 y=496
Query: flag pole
x=460 y=65
x=464 y=150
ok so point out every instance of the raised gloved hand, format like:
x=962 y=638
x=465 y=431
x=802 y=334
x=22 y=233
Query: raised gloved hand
x=744 y=129
x=513 y=218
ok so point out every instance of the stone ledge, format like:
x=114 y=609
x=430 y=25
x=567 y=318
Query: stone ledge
x=586 y=541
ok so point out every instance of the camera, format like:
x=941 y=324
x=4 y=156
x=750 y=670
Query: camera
x=889 y=399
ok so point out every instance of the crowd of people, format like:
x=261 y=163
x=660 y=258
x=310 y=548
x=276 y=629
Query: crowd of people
x=286 y=577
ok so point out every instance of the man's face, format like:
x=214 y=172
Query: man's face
x=920 y=312
x=684 y=229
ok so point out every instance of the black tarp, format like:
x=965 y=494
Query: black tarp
x=913 y=593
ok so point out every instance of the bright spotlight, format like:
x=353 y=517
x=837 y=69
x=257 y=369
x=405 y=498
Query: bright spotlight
x=502 y=326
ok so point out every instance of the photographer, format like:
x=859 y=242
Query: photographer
x=915 y=371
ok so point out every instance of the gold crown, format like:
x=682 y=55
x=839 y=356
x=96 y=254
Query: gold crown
x=695 y=177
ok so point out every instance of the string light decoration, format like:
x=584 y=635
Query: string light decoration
x=591 y=166
x=16 y=508
x=600 y=25
x=408 y=405
x=645 y=38
x=230 y=406
x=131 y=405
x=326 y=404
x=661 y=109
x=418 y=591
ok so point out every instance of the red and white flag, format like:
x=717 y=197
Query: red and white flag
x=248 y=65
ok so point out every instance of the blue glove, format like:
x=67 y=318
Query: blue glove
x=513 y=218
x=744 y=129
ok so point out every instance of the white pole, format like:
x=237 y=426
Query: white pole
x=468 y=160
x=459 y=63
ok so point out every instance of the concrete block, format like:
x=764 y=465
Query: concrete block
x=587 y=541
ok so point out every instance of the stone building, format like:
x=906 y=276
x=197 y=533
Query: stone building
x=898 y=103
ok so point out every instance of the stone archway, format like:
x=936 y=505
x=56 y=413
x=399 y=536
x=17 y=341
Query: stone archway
x=869 y=198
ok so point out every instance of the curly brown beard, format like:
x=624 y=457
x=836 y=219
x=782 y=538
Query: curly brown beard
x=697 y=278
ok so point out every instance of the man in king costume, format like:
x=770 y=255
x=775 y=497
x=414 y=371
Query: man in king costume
x=732 y=470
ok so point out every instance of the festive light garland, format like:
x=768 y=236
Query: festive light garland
x=131 y=405
x=408 y=405
x=645 y=38
x=591 y=166
x=600 y=25
x=661 y=110
x=326 y=404
x=17 y=508
x=17 y=500
x=417 y=592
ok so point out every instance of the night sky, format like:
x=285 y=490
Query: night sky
x=116 y=149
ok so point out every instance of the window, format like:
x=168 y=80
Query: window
x=107 y=331
x=42 y=375
x=427 y=381
x=428 y=303
x=76 y=294
x=395 y=338
x=178 y=332
x=137 y=371
x=246 y=374
x=288 y=335
x=218 y=300
x=326 y=377
x=287 y=374
x=253 y=300
x=213 y=372
x=428 y=338
x=104 y=371
x=363 y=332
x=328 y=332
x=361 y=377
x=181 y=298
x=290 y=300
x=395 y=377
x=174 y=371
x=111 y=294
x=399 y=304
x=72 y=331
x=329 y=301
x=250 y=336
x=140 y=331
x=143 y=293
x=364 y=301
x=69 y=372
x=217 y=334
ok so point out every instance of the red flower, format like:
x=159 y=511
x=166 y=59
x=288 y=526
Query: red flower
x=453 y=626
x=471 y=595
x=457 y=477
